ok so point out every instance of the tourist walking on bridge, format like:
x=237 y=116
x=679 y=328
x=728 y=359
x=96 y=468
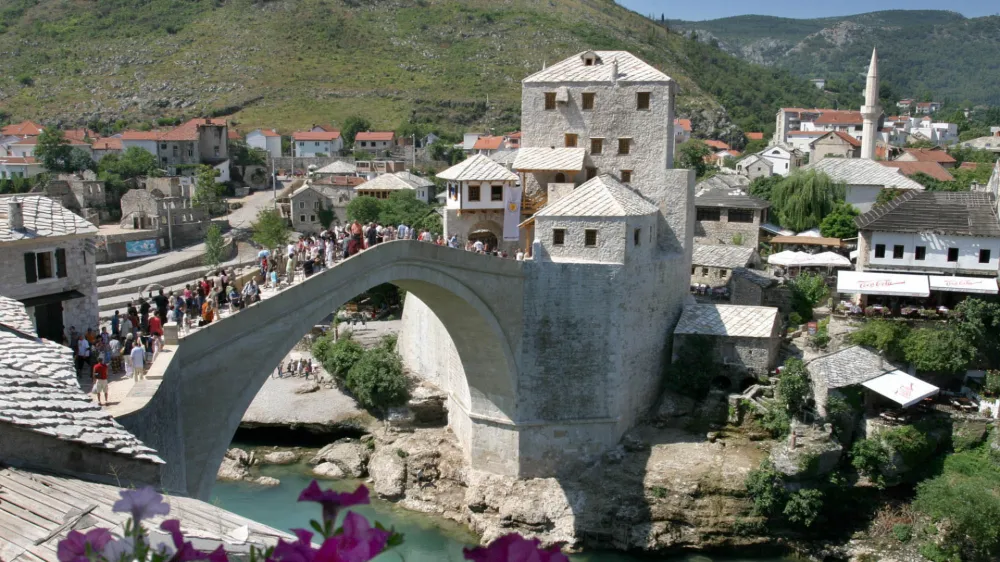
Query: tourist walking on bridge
x=138 y=356
x=100 y=375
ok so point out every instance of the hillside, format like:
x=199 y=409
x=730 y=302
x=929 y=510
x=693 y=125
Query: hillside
x=923 y=54
x=290 y=63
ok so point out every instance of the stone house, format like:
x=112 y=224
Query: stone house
x=307 y=201
x=82 y=194
x=375 y=141
x=164 y=205
x=835 y=144
x=383 y=185
x=783 y=160
x=937 y=155
x=729 y=216
x=104 y=146
x=713 y=265
x=198 y=141
x=372 y=168
x=745 y=339
x=753 y=287
x=755 y=166
x=843 y=369
x=51 y=269
x=474 y=200
x=337 y=168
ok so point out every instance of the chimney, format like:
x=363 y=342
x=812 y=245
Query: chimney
x=614 y=71
x=15 y=214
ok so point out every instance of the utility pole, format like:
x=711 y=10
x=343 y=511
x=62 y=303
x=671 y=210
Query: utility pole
x=274 y=181
x=413 y=153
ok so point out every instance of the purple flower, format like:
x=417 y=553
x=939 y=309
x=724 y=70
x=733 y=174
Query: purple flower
x=142 y=504
x=515 y=548
x=333 y=501
x=359 y=542
x=119 y=549
x=298 y=551
x=74 y=547
x=185 y=551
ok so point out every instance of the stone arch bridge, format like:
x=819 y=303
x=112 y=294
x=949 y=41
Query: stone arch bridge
x=217 y=370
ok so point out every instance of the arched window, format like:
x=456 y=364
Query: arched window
x=560 y=178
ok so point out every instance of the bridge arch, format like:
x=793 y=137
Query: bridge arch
x=219 y=369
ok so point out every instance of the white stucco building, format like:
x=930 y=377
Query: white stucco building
x=19 y=167
x=474 y=199
x=311 y=143
x=267 y=140
x=783 y=160
x=864 y=179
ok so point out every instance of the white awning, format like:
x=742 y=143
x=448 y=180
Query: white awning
x=901 y=388
x=983 y=285
x=829 y=259
x=788 y=258
x=893 y=284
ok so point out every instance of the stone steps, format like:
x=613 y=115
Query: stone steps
x=118 y=267
x=168 y=279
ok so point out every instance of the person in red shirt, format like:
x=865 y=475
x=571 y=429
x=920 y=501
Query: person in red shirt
x=101 y=380
x=155 y=325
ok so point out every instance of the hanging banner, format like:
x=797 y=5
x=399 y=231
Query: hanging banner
x=511 y=213
x=138 y=248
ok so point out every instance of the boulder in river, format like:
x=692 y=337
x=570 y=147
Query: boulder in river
x=351 y=456
x=281 y=457
x=328 y=470
x=266 y=481
x=232 y=470
x=387 y=468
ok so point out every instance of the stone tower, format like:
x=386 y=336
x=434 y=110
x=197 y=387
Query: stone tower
x=870 y=111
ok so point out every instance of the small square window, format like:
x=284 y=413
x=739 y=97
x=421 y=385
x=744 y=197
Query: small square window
x=984 y=256
x=740 y=215
x=708 y=215
x=473 y=193
x=591 y=173
x=626 y=176
x=623 y=145
x=920 y=253
x=693 y=270
x=558 y=236
x=550 y=101
x=590 y=238
x=642 y=101
x=952 y=254
x=496 y=193
x=723 y=273
x=897 y=252
x=587 y=101
x=312 y=218
x=704 y=272
x=302 y=218
x=596 y=145
x=571 y=140
x=636 y=236
x=879 y=250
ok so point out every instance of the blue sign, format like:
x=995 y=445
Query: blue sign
x=137 y=248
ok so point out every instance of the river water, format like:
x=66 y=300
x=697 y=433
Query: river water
x=426 y=538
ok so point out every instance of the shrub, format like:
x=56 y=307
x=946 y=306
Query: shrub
x=902 y=532
x=775 y=422
x=658 y=492
x=803 y=506
x=868 y=456
x=795 y=319
x=793 y=386
x=377 y=380
x=884 y=335
x=766 y=490
x=911 y=443
x=991 y=384
x=808 y=290
x=340 y=356
x=938 y=350
x=389 y=342
x=25 y=80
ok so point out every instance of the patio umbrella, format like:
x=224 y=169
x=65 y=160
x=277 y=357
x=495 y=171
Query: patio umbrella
x=789 y=258
x=829 y=259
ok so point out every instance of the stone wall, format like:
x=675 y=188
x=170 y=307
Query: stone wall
x=711 y=276
x=741 y=356
x=722 y=231
x=468 y=222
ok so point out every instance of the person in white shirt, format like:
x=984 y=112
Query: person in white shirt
x=478 y=246
x=82 y=354
x=138 y=357
x=519 y=256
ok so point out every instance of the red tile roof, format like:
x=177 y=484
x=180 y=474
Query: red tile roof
x=318 y=136
x=24 y=128
x=79 y=134
x=514 y=135
x=189 y=131
x=806 y=133
x=233 y=134
x=755 y=136
x=717 y=144
x=375 y=136
x=269 y=133
x=801 y=110
x=848 y=139
x=835 y=117
x=141 y=135
x=109 y=143
x=18 y=160
x=930 y=155
x=350 y=181
x=932 y=169
x=28 y=141
x=324 y=129
x=969 y=165
x=683 y=124
x=488 y=143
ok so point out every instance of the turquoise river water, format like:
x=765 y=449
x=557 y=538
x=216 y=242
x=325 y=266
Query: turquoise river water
x=426 y=539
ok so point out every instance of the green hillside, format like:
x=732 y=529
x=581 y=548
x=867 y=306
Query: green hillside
x=290 y=63
x=923 y=53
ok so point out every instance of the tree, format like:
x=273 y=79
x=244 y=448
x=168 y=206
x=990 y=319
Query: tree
x=57 y=155
x=338 y=357
x=840 y=222
x=402 y=207
x=215 y=246
x=352 y=126
x=135 y=162
x=761 y=187
x=938 y=350
x=886 y=336
x=793 y=386
x=270 y=230
x=207 y=191
x=808 y=290
x=804 y=198
x=364 y=209
x=979 y=322
x=241 y=156
x=325 y=215
x=692 y=154
x=377 y=380
x=755 y=146
x=887 y=195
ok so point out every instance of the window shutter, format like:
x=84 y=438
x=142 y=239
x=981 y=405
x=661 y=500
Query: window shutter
x=60 y=262
x=30 y=273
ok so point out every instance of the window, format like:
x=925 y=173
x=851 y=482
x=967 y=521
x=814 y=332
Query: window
x=175 y=150
x=560 y=178
x=302 y=218
x=984 y=256
x=953 y=254
x=591 y=173
x=190 y=152
x=920 y=253
x=216 y=150
x=587 y=101
x=879 y=250
x=39 y=266
x=708 y=215
x=723 y=273
x=473 y=193
x=558 y=236
x=626 y=176
x=590 y=238
x=623 y=145
x=636 y=236
x=316 y=144
x=164 y=159
x=363 y=144
x=740 y=215
x=704 y=272
x=302 y=144
x=316 y=205
x=163 y=146
x=693 y=270
x=642 y=101
x=897 y=252
x=550 y=101
x=496 y=193
x=571 y=140
x=302 y=204
x=312 y=218
x=596 y=145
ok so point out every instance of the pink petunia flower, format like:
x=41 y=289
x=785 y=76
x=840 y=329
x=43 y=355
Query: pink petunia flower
x=185 y=551
x=359 y=542
x=515 y=548
x=333 y=501
x=298 y=551
x=142 y=504
x=74 y=547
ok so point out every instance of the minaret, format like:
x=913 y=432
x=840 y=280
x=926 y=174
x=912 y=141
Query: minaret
x=870 y=111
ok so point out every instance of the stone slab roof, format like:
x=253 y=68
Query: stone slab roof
x=385 y=182
x=603 y=196
x=546 y=159
x=42 y=217
x=39 y=392
x=961 y=213
x=478 y=168
x=848 y=367
x=505 y=156
x=858 y=171
x=729 y=198
x=414 y=179
x=338 y=167
x=756 y=277
x=630 y=69
x=729 y=257
x=728 y=320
